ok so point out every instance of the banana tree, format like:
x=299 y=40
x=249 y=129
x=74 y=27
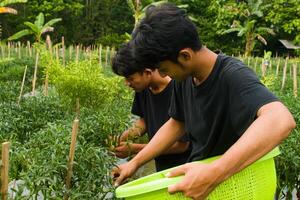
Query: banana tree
x=248 y=26
x=38 y=28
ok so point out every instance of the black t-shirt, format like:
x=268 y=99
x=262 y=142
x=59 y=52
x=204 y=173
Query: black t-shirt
x=218 y=111
x=153 y=108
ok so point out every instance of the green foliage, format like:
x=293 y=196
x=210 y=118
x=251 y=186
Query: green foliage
x=22 y=122
x=247 y=21
x=37 y=29
x=86 y=82
x=45 y=165
x=287 y=163
x=284 y=15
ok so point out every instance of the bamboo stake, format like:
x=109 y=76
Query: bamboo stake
x=8 y=49
x=49 y=44
x=70 y=52
x=63 y=50
x=56 y=54
x=22 y=85
x=4 y=170
x=255 y=64
x=77 y=54
x=29 y=49
x=100 y=56
x=277 y=67
x=19 y=49
x=35 y=73
x=106 y=56
x=71 y=156
x=284 y=73
x=2 y=51
x=46 y=84
x=90 y=55
x=295 y=83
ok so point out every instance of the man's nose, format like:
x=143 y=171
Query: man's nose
x=127 y=83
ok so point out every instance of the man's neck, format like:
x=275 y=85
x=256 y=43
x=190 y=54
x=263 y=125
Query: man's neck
x=205 y=62
x=159 y=84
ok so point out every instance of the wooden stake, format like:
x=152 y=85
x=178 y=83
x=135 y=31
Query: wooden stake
x=284 y=73
x=35 y=73
x=29 y=49
x=19 y=49
x=63 y=50
x=90 y=55
x=77 y=54
x=70 y=52
x=2 y=51
x=277 y=67
x=46 y=84
x=4 y=170
x=106 y=56
x=100 y=56
x=71 y=156
x=8 y=50
x=255 y=64
x=56 y=54
x=22 y=85
x=295 y=83
x=49 y=45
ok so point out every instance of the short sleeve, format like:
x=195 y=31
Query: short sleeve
x=176 y=105
x=247 y=95
x=136 y=108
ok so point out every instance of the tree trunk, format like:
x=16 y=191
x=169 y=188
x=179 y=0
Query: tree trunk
x=249 y=44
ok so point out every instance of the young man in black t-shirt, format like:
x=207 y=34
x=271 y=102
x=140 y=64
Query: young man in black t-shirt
x=216 y=99
x=151 y=103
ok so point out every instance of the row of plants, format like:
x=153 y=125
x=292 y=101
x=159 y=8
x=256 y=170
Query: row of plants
x=39 y=129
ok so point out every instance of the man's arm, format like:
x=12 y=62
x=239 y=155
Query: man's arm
x=167 y=135
x=273 y=124
x=177 y=147
x=138 y=129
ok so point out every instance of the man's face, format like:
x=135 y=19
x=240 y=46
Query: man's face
x=174 y=70
x=137 y=81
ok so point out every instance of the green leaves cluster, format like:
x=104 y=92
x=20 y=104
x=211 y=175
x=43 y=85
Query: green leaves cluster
x=37 y=28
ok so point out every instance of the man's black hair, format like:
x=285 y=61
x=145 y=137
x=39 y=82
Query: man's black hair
x=123 y=63
x=162 y=33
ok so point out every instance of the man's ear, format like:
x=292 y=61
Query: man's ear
x=184 y=55
x=148 y=71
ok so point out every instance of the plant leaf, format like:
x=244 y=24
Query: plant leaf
x=20 y=34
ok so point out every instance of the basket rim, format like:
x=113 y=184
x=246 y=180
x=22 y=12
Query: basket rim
x=142 y=186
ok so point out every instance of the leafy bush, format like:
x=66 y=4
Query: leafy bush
x=86 y=82
x=45 y=165
x=21 y=122
x=13 y=69
x=288 y=161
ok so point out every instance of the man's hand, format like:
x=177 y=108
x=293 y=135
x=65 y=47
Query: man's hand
x=198 y=182
x=122 y=172
x=124 y=150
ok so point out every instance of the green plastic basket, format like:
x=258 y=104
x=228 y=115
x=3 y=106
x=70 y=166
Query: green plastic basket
x=256 y=182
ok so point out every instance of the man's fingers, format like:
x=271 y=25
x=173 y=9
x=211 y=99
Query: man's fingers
x=175 y=188
x=119 y=180
x=176 y=172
